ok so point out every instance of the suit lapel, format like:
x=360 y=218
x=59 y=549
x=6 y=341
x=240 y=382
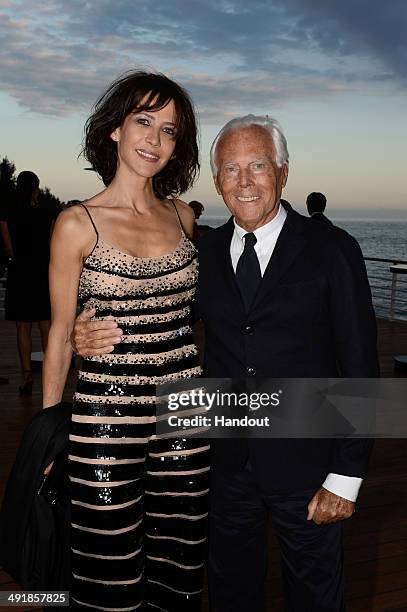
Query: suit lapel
x=289 y=245
x=224 y=262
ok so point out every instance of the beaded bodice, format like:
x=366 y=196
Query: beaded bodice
x=150 y=298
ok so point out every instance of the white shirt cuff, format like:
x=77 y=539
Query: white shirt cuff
x=344 y=486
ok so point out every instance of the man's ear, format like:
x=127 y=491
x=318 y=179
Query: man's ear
x=115 y=135
x=285 y=175
x=216 y=183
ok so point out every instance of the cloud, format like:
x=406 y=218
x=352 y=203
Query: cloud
x=370 y=28
x=57 y=57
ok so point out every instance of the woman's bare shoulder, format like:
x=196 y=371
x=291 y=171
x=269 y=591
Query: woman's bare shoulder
x=187 y=215
x=73 y=224
x=72 y=218
x=184 y=208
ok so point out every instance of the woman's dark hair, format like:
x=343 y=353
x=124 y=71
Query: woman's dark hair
x=27 y=181
x=122 y=98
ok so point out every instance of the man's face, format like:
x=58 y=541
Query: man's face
x=248 y=178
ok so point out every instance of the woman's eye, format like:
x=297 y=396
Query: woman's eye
x=169 y=131
x=142 y=121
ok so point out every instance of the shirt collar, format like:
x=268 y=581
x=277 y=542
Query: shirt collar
x=265 y=232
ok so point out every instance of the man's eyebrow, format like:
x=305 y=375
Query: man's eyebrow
x=253 y=161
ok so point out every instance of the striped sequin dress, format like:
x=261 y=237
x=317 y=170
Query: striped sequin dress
x=139 y=504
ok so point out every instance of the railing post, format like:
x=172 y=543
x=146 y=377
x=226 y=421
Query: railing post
x=395 y=270
x=393 y=294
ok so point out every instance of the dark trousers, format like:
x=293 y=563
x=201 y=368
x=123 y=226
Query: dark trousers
x=312 y=558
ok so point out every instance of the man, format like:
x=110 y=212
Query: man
x=199 y=229
x=197 y=207
x=316 y=204
x=273 y=307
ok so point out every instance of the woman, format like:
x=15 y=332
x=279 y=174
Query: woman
x=27 y=293
x=139 y=505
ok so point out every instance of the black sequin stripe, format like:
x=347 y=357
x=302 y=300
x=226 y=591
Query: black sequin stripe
x=176 y=527
x=178 y=444
x=112 y=430
x=100 y=450
x=100 y=544
x=142 y=369
x=137 y=409
x=186 y=580
x=165 y=599
x=106 y=569
x=118 y=389
x=133 y=297
x=152 y=310
x=101 y=596
x=132 y=276
x=159 y=346
x=109 y=520
x=174 y=549
x=155 y=327
x=117 y=494
x=176 y=463
x=118 y=472
x=190 y=483
x=166 y=504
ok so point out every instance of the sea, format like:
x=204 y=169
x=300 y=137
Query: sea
x=384 y=239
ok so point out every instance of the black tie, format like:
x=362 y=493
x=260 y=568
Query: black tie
x=248 y=274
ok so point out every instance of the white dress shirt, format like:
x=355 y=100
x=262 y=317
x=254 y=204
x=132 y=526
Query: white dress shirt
x=344 y=486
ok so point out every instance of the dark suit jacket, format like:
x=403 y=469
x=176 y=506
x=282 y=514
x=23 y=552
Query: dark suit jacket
x=321 y=217
x=312 y=318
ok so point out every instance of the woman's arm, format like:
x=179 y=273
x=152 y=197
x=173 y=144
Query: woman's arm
x=5 y=235
x=69 y=242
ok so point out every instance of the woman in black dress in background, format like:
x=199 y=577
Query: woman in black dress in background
x=27 y=294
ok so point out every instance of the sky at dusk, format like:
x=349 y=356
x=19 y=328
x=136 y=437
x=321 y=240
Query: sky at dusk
x=334 y=73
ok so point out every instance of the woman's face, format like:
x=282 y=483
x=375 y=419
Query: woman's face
x=146 y=140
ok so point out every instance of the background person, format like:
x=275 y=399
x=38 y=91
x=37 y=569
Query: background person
x=316 y=204
x=27 y=300
x=199 y=229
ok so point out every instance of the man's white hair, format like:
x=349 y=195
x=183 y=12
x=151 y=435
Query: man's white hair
x=264 y=121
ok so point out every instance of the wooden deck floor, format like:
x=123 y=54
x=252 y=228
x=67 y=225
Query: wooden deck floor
x=375 y=538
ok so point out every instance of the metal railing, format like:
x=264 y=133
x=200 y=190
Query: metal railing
x=388 y=282
x=387 y=279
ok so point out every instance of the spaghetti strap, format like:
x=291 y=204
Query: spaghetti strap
x=91 y=220
x=179 y=218
x=94 y=227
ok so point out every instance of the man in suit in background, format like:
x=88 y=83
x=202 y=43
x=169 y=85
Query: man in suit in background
x=316 y=204
x=280 y=297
